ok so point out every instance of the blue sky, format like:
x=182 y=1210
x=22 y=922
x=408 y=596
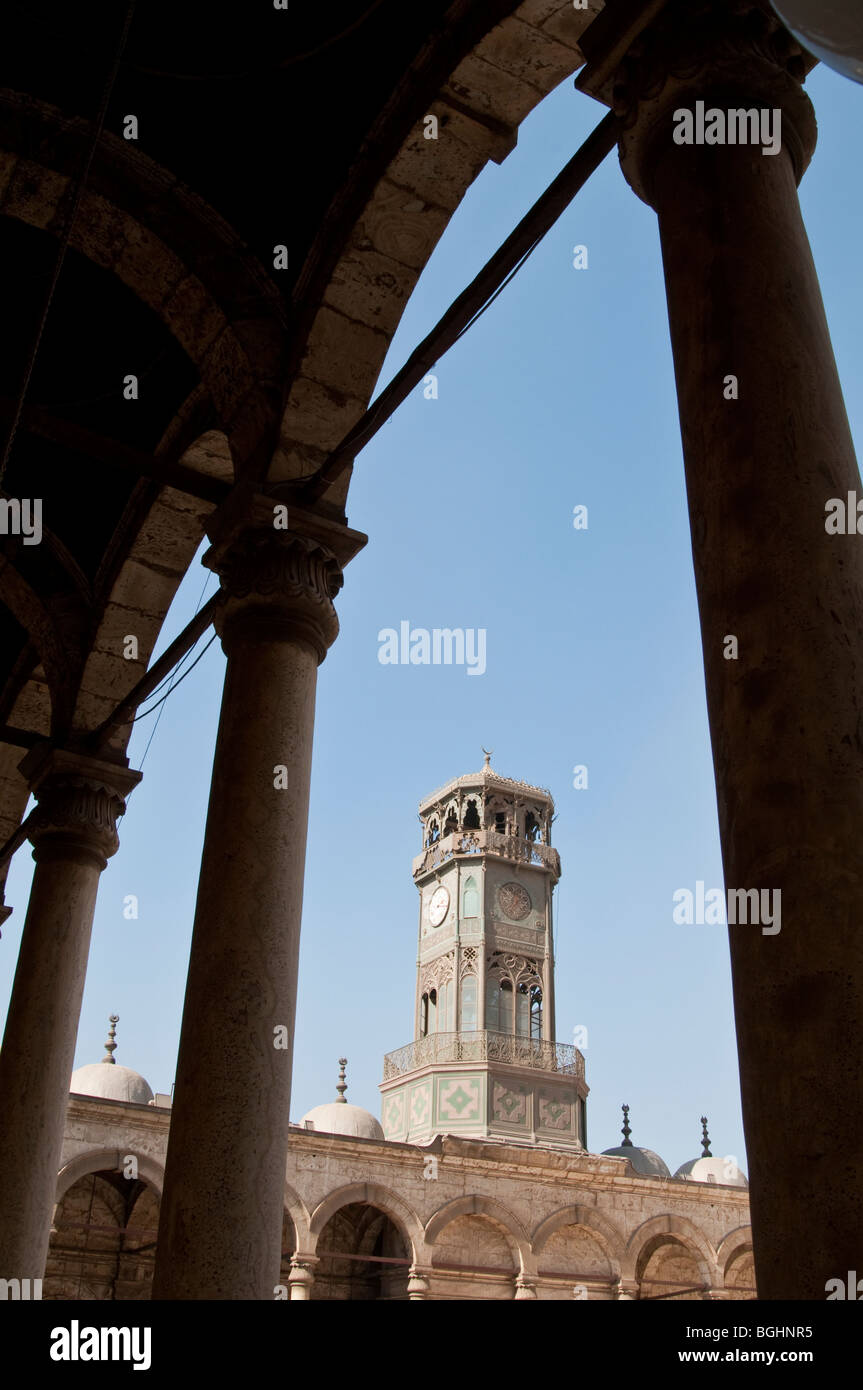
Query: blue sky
x=562 y=394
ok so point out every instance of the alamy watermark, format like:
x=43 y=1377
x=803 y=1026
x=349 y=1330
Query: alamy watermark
x=440 y=646
x=18 y=1289
x=739 y=905
x=77 y=1343
x=756 y=126
x=849 y=1288
x=21 y=516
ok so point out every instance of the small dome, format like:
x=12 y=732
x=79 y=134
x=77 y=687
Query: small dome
x=338 y=1117
x=723 y=1171
x=107 y=1080
x=111 y=1083
x=645 y=1162
x=709 y=1169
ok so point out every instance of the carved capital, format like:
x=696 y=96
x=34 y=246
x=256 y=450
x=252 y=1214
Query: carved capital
x=418 y=1284
x=729 y=54
x=279 y=581
x=78 y=802
x=302 y=1277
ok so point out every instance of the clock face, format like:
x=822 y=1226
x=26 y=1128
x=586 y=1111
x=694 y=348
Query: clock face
x=514 y=901
x=439 y=905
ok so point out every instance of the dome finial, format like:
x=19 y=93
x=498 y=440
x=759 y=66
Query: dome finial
x=488 y=752
x=627 y=1142
x=111 y=1044
x=705 y=1141
x=343 y=1085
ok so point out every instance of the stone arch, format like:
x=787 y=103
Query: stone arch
x=735 y=1250
x=375 y=1195
x=235 y=345
x=610 y=1236
x=673 y=1230
x=362 y=297
x=513 y=1231
x=110 y=1161
x=104 y=1229
x=166 y=537
x=298 y=1212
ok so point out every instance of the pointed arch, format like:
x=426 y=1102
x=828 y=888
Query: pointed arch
x=375 y=1195
x=475 y=1205
x=610 y=1235
x=150 y=1170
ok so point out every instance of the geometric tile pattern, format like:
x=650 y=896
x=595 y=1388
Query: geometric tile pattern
x=394 y=1113
x=509 y=1105
x=459 y=1098
x=420 y=1104
x=554 y=1113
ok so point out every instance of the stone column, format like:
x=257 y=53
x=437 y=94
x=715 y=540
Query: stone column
x=766 y=444
x=302 y=1277
x=419 y=1284
x=221 y=1213
x=73 y=832
x=625 y=1290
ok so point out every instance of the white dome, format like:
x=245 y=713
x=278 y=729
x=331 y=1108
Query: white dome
x=110 y=1081
x=339 y=1117
x=645 y=1162
x=723 y=1171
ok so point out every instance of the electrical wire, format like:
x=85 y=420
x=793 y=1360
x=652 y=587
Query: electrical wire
x=177 y=683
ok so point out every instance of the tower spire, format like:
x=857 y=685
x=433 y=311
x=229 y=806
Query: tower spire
x=342 y=1084
x=111 y=1044
x=705 y=1141
x=488 y=752
x=627 y=1142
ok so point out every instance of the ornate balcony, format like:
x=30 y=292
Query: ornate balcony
x=485 y=1047
x=469 y=842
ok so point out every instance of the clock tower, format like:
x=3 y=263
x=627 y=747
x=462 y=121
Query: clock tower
x=484 y=1062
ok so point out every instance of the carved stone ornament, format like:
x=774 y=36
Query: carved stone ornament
x=78 y=802
x=279 y=581
x=726 y=53
x=514 y=901
x=291 y=580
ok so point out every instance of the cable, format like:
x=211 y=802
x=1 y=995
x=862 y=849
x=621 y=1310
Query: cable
x=174 y=674
x=145 y=712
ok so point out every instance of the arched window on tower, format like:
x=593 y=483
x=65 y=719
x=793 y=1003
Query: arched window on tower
x=471 y=816
x=531 y=827
x=444 y=1008
x=467 y=1006
x=470 y=902
x=451 y=823
x=498 y=1005
x=433 y=833
x=432 y=1028
x=522 y=1011
x=535 y=1011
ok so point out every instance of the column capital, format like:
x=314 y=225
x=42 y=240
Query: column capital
x=730 y=55
x=279 y=571
x=79 y=799
x=302 y=1276
x=625 y=1290
x=418 y=1283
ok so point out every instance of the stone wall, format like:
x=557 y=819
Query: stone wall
x=463 y=1219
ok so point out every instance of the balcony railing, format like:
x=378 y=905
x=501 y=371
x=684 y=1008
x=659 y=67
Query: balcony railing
x=485 y=1047
x=468 y=842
